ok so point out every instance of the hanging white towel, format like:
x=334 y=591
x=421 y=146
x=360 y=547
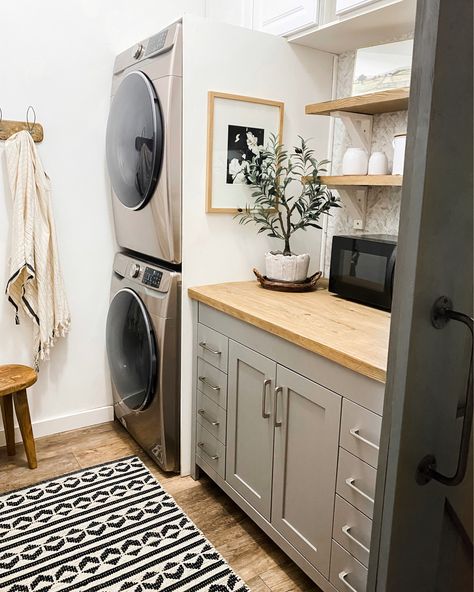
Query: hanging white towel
x=35 y=283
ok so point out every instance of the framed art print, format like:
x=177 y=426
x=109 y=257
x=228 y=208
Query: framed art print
x=237 y=126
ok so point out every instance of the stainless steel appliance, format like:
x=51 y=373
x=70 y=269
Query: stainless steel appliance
x=143 y=329
x=144 y=146
x=362 y=268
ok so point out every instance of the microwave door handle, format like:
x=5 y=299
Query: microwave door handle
x=389 y=274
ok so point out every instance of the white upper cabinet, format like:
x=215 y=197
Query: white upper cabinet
x=282 y=17
x=343 y=6
x=234 y=12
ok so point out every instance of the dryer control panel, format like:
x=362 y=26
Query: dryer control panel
x=156 y=43
x=152 y=277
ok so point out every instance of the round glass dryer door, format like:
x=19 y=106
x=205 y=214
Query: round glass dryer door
x=134 y=141
x=131 y=350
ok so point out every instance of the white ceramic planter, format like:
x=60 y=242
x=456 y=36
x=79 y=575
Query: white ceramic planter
x=286 y=268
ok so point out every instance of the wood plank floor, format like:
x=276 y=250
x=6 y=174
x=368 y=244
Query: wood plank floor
x=262 y=565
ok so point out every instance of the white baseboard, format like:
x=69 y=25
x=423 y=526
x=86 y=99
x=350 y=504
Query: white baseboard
x=65 y=423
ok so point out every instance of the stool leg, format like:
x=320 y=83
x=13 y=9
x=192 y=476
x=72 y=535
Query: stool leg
x=24 y=421
x=6 y=403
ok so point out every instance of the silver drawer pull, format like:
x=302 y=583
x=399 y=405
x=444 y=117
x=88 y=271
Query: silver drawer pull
x=355 y=432
x=343 y=577
x=350 y=483
x=209 y=349
x=276 y=422
x=202 y=446
x=267 y=382
x=202 y=413
x=213 y=387
x=346 y=530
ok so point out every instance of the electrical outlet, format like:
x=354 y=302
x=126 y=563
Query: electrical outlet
x=357 y=225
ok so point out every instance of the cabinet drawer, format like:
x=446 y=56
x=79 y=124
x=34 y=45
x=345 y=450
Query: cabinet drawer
x=211 y=416
x=360 y=432
x=210 y=450
x=352 y=530
x=212 y=347
x=347 y=574
x=356 y=482
x=212 y=382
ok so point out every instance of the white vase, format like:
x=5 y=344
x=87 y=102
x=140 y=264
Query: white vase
x=399 y=142
x=286 y=268
x=355 y=162
x=378 y=164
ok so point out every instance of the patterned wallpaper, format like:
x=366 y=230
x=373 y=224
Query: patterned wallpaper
x=383 y=203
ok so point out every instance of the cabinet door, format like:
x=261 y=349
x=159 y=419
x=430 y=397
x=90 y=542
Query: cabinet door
x=250 y=426
x=343 y=6
x=282 y=17
x=307 y=420
x=237 y=12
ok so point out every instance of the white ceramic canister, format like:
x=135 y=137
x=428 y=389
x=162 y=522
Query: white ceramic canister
x=355 y=162
x=399 y=142
x=378 y=163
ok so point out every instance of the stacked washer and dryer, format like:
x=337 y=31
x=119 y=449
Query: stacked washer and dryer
x=144 y=165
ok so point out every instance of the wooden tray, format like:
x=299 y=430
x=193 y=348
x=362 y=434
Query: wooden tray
x=306 y=286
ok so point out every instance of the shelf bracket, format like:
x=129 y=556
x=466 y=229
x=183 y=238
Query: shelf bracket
x=355 y=198
x=358 y=126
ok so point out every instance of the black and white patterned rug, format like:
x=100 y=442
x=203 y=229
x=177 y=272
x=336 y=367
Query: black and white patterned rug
x=112 y=528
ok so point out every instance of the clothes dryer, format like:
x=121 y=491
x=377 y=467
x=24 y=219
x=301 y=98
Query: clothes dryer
x=143 y=146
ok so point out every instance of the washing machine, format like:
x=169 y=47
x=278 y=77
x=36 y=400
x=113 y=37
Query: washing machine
x=143 y=146
x=142 y=338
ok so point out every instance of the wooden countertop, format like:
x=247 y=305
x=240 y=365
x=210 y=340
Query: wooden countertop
x=350 y=334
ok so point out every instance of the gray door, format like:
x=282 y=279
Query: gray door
x=305 y=459
x=422 y=532
x=249 y=462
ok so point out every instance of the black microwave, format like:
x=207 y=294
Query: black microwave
x=362 y=268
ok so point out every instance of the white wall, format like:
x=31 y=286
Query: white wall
x=58 y=56
x=215 y=248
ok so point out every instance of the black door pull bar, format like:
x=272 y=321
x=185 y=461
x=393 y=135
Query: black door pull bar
x=441 y=313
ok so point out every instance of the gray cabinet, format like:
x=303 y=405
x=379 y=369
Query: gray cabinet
x=305 y=458
x=250 y=429
x=282 y=443
x=273 y=439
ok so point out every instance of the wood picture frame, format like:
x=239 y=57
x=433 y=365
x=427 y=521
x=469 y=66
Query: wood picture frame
x=259 y=116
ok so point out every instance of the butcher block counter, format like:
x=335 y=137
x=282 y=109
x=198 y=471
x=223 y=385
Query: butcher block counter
x=350 y=334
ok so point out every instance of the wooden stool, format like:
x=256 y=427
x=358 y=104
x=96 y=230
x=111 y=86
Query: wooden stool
x=14 y=380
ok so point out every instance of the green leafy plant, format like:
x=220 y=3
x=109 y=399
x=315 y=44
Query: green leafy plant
x=279 y=208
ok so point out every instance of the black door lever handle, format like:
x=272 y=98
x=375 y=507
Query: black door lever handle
x=441 y=313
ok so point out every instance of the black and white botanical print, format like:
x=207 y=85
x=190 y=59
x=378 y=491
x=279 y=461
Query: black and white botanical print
x=242 y=145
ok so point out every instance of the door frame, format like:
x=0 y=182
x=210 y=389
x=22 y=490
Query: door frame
x=419 y=419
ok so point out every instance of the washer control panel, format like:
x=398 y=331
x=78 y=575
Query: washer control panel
x=152 y=277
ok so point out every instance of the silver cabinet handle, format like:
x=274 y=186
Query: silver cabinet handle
x=202 y=446
x=343 y=577
x=266 y=383
x=213 y=387
x=202 y=413
x=346 y=530
x=355 y=432
x=350 y=483
x=209 y=349
x=276 y=423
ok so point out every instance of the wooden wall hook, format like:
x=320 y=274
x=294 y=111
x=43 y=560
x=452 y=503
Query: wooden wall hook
x=8 y=128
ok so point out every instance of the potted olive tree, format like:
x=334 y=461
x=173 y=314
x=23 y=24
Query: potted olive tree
x=287 y=196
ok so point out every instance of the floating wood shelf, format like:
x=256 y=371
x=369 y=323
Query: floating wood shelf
x=385 y=101
x=363 y=181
